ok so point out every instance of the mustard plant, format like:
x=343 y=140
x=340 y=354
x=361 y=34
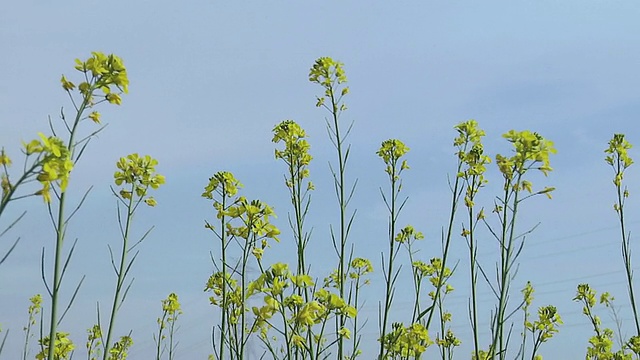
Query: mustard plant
x=248 y=224
x=404 y=343
x=119 y=349
x=473 y=160
x=34 y=310
x=619 y=160
x=443 y=273
x=437 y=271
x=135 y=176
x=293 y=307
x=601 y=344
x=103 y=79
x=391 y=152
x=532 y=152
x=41 y=163
x=94 y=342
x=297 y=158
x=527 y=295
x=301 y=320
x=226 y=187
x=407 y=237
x=439 y=276
x=542 y=329
x=330 y=74
x=360 y=268
x=170 y=312
x=62 y=347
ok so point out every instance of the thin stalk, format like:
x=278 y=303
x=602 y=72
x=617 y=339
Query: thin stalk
x=389 y=276
x=121 y=275
x=506 y=252
x=242 y=313
x=4 y=340
x=626 y=253
x=224 y=240
x=60 y=231
x=445 y=251
x=417 y=283
x=301 y=240
x=443 y=349
x=473 y=186
x=473 y=248
x=159 y=341
x=8 y=196
x=296 y=200
x=172 y=346
x=356 y=338
x=341 y=319
x=243 y=279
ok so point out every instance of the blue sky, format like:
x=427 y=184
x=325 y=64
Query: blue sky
x=210 y=79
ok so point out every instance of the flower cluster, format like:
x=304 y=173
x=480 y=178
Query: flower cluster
x=391 y=151
x=472 y=156
x=329 y=74
x=531 y=151
x=119 y=349
x=223 y=183
x=94 y=340
x=407 y=342
x=140 y=174
x=55 y=164
x=106 y=73
x=618 y=156
x=171 y=307
x=63 y=347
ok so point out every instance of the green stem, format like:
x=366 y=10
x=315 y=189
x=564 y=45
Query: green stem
x=60 y=231
x=355 y=322
x=417 y=279
x=626 y=252
x=389 y=274
x=121 y=275
x=158 y=345
x=8 y=196
x=341 y=319
x=223 y=309
x=445 y=252
x=442 y=325
x=506 y=243
x=473 y=248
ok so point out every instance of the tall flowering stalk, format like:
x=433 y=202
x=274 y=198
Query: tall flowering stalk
x=531 y=152
x=34 y=309
x=170 y=312
x=297 y=158
x=439 y=281
x=225 y=186
x=619 y=160
x=103 y=79
x=471 y=155
x=542 y=329
x=391 y=152
x=360 y=270
x=136 y=175
x=303 y=322
x=248 y=223
x=601 y=343
x=330 y=74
